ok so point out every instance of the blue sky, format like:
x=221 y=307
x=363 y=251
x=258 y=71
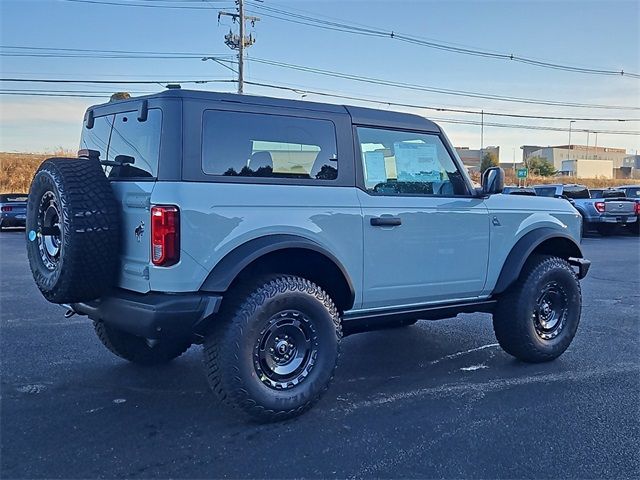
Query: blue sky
x=601 y=34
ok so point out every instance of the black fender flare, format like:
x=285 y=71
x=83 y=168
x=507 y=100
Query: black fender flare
x=525 y=246
x=227 y=269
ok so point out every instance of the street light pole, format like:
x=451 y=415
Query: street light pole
x=569 y=146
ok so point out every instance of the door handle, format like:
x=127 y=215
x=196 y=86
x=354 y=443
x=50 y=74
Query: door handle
x=386 y=221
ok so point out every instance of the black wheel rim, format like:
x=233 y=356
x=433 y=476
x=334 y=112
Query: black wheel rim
x=286 y=349
x=550 y=313
x=49 y=232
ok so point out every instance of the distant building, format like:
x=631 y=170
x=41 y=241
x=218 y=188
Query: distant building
x=584 y=168
x=512 y=165
x=527 y=150
x=472 y=158
x=559 y=154
x=630 y=167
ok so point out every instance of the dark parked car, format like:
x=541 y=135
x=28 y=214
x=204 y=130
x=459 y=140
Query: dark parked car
x=13 y=209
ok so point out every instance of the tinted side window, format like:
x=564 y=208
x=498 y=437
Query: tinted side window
x=97 y=137
x=546 y=191
x=255 y=145
x=397 y=163
x=633 y=192
x=140 y=141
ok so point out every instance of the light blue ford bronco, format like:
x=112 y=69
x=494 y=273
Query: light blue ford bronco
x=267 y=229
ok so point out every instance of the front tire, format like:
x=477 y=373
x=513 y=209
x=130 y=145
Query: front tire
x=137 y=349
x=537 y=318
x=274 y=351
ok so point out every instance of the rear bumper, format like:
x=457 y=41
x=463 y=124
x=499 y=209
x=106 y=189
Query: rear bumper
x=12 y=220
x=152 y=315
x=626 y=218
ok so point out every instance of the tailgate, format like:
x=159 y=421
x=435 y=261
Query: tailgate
x=619 y=207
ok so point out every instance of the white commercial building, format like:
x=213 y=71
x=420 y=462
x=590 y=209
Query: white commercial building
x=584 y=168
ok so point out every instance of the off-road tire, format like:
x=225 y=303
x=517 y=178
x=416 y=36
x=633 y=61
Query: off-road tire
x=137 y=349
x=514 y=320
x=88 y=257
x=230 y=347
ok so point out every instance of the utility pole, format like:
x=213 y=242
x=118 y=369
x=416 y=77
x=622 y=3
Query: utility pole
x=240 y=41
x=569 y=147
x=481 y=138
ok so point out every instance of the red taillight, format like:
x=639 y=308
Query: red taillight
x=599 y=206
x=637 y=208
x=165 y=235
x=7 y=209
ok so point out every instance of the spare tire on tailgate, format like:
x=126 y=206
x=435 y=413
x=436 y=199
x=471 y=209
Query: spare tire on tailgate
x=72 y=230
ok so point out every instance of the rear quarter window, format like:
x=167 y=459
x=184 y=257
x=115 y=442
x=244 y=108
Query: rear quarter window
x=236 y=144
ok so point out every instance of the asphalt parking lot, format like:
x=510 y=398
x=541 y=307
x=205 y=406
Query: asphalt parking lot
x=439 y=399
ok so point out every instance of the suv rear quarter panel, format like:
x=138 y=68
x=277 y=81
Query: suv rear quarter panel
x=218 y=217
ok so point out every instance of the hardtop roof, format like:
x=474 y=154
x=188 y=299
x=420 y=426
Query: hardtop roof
x=359 y=115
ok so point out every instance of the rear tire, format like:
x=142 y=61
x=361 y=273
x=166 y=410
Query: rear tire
x=537 y=318
x=72 y=230
x=274 y=350
x=137 y=349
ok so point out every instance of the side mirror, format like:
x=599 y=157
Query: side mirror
x=492 y=181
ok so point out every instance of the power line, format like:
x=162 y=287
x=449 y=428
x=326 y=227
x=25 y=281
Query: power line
x=143 y=5
x=444 y=91
x=289 y=16
x=111 y=82
x=439 y=109
x=84 y=53
x=409 y=105
x=449 y=120
x=90 y=94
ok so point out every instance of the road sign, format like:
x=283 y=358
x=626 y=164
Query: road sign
x=523 y=172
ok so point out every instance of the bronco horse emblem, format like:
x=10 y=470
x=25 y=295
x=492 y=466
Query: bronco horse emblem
x=139 y=231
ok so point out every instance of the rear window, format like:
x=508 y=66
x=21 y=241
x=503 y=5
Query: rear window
x=545 y=191
x=13 y=198
x=613 y=194
x=133 y=146
x=274 y=146
x=576 y=192
x=595 y=193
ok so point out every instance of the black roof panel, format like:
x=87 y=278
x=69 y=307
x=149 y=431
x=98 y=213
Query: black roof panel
x=359 y=115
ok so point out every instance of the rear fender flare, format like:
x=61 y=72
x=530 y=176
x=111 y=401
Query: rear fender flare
x=233 y=263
